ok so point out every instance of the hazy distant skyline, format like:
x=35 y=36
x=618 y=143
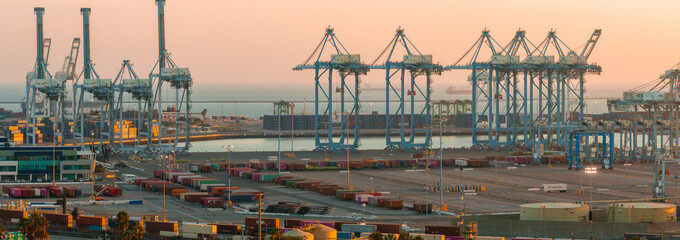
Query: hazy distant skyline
x=233 y=47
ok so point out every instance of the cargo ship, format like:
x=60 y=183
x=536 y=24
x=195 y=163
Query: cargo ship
x=458 y=91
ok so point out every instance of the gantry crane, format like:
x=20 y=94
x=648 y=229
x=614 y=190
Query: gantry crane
x=141 y=91
x=165 y=70
x=345 y=64
x=100 y=89
x=40 y=81
x=412 y=67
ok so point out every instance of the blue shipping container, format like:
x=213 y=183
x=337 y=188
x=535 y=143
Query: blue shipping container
x=345 y=235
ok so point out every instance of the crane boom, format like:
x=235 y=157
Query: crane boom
x=590 y=45
x=72 y=59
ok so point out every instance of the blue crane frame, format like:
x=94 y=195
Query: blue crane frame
x=573 y=149
x=321 y=68
x=416 y=118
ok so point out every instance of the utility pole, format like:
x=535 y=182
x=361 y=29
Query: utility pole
x=347 y=149
x=279 y=145
x=441 y=163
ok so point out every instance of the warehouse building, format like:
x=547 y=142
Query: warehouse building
x=32 y=163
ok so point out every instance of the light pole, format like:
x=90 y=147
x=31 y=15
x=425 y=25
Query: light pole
x=229 y=149
x=279 y=143
x=441 y=163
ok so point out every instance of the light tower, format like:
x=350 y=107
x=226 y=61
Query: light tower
x=165 y=70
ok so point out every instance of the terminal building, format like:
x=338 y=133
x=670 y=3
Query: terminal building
x=41 y=163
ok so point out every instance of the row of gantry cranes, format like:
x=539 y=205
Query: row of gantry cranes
x=523 y=95
x=109 y=93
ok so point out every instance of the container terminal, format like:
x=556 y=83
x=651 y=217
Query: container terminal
x=533 y=162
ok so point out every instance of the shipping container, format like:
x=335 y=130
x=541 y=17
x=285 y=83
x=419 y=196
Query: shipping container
x=228 y=228
x=90 y=221
x=359 y=228
x=63 y=220
x=199 y=228
x=155 y=226
x=266 y=222
x=443 y=230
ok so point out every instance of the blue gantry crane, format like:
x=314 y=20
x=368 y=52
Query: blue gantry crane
x=412 y=68
x=101 y=91
x=346 y=65
x=141 y=91
x=40 y=82
x=165 y=70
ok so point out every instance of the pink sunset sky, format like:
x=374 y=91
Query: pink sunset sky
x=234 y=45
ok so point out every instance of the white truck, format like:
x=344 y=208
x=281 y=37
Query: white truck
x=561 y=187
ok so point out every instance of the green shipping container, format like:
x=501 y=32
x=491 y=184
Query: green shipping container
x=208 y=181
x=268 y=177
x=216 y=167
x=290 y=184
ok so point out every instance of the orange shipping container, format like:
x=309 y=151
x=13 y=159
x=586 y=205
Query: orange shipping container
x=177 y=192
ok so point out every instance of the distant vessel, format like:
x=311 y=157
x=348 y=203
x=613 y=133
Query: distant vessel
x=453 y=90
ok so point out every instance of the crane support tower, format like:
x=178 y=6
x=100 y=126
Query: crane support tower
x=413 y=67
x=101 y=91
x=345 y=64
x=141 y=90
x=165 y=70
x=40 y=82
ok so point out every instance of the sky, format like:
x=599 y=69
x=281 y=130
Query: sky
x=248 y=48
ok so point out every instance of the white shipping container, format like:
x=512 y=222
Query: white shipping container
x=461 y=162
x=189 y=235
x=168 y=233
x=561 y=187
x=199 y=228
x=180 y=178
x=204 y=187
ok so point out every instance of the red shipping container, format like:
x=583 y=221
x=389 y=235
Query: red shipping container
x=90 y=221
